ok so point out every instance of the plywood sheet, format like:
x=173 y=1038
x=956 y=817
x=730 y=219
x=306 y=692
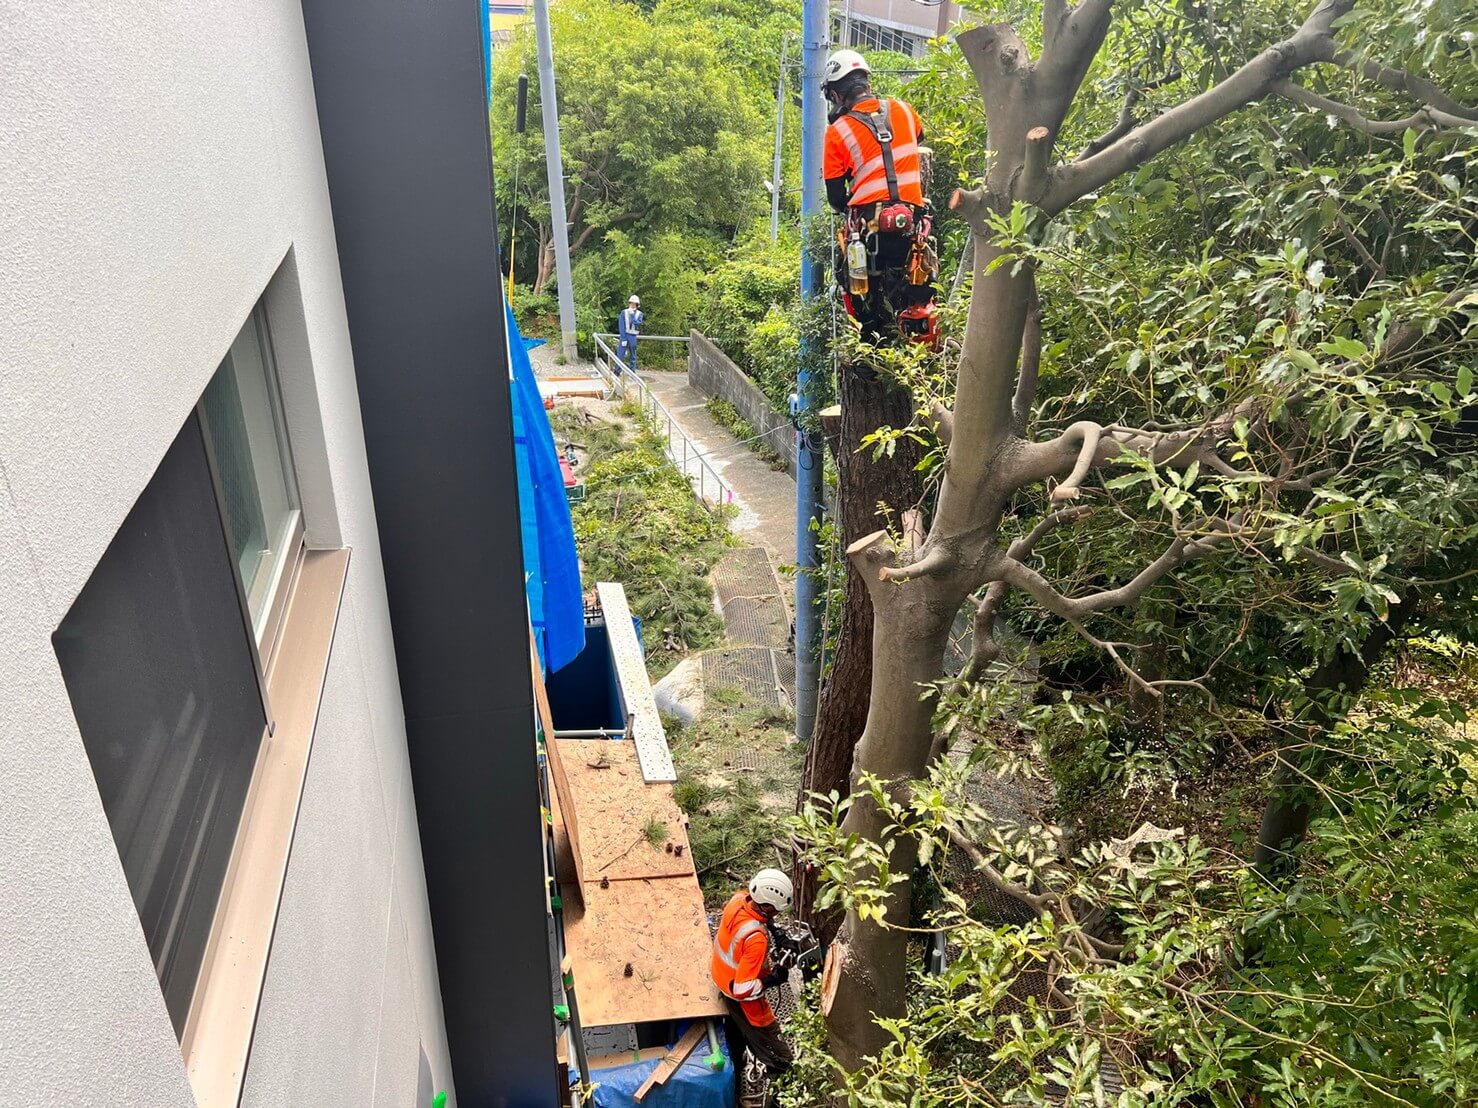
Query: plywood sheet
x=613 y=807
x=563 y=798
x=658 y=928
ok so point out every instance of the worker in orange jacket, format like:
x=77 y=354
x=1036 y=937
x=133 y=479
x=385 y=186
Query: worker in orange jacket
x=873 y=160
x=742 y=970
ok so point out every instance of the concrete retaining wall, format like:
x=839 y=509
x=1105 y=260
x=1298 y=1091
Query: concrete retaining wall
x=712 y=373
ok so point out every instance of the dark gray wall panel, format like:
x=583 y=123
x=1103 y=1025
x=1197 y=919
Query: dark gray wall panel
x=400 y=90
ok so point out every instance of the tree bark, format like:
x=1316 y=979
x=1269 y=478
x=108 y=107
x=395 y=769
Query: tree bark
x=546 y=260
x=862 y=484
x=909 y=636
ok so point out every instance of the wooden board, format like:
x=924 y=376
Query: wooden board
x=569 y=812
x=614 y=805
x=656 y=926
x=671 y=1061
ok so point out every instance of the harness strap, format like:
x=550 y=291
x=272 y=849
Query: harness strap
x=882 y=130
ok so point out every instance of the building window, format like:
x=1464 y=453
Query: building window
x=244 y=429
x=864 y=35
x=160 y=656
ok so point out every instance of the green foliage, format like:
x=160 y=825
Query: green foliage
x=1153 y=965
x=641 y=525
x=727 y=416
x=748 y=308
x=661 y=142
x=735 y=816
x=1318 y=285
x=654 y=831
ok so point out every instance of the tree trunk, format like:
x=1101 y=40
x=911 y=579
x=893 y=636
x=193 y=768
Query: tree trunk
x=546 y=260
x=909 y=637
x=862 y=483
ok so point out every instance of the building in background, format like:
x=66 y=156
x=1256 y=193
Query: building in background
x=505 y=18
x=904 y=26
x=268 y=719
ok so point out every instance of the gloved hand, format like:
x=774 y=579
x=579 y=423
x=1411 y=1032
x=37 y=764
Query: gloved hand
x=775 y=977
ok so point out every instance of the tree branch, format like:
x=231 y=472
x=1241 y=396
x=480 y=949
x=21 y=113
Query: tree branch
x=1423 y=119
x=1038 y=904
x=1031 y=364
x=1127 y=118
x=1124 y=125
x=1312 y=42
x=984 y=649
x=1075 y=609
x=1087 y=434
x=1418 y=88
x=973 y=206
x=944 y=422
x=1034 y=165
x=1028 y=542
x=1036 y=461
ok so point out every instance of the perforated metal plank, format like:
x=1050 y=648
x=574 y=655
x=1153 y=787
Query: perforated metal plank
x=645 y=728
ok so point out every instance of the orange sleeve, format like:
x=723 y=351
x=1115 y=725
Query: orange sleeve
x=835 y=160
x=753 y=952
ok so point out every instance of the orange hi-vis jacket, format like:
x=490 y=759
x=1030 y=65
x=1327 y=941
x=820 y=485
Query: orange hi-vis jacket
x=852 y=151
x=741 y=949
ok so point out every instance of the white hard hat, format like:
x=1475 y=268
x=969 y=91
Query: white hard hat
x=634 y=299
x=772 y=887
x=840 y=64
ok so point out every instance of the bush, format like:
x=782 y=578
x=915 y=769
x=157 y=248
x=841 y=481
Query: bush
x=640 y=525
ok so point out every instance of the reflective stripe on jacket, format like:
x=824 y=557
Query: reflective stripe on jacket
x=741 y=949
x=852 y=151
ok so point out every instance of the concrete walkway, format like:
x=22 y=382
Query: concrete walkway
x=765 y=497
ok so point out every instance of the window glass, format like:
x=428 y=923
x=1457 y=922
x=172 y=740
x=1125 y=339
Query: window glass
x=158 y=662
x=244 y=427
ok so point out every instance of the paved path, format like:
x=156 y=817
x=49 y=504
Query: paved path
x=544 y=360
x=765 y=497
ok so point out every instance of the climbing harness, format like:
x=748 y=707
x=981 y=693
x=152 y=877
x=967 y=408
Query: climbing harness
x=891 y=260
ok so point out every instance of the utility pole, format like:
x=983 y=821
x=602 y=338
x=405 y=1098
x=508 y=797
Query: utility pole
x=782 y=86
x=549 y=105
x=808 y=441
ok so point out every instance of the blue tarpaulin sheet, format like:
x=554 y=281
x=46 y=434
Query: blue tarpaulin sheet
x=551 y=568
x=694 y=1085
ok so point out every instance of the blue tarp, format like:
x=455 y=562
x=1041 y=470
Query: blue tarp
x=694 y=1085
x=551 y=569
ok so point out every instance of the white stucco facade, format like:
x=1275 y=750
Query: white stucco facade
x=160 y=172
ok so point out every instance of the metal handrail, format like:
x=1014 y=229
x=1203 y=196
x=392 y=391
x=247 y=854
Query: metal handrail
x=682 y=451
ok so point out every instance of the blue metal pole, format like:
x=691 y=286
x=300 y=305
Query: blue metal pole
x=814 y=34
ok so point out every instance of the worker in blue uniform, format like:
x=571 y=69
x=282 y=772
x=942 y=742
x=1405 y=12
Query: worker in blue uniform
x=628 y=327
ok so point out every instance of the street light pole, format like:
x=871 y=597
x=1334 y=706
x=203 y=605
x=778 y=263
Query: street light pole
x=549 y=106
x=808 y=442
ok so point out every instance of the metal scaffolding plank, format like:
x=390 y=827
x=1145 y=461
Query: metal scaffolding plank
x=645 y=725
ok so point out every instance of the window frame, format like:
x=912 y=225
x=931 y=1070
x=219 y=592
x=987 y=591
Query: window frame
x=265 y=630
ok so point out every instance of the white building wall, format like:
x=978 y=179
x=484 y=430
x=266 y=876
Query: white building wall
x=159 y=164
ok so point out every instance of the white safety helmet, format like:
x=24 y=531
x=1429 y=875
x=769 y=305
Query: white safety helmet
x=772 y=887
x=636 y=300
x=840 y=64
